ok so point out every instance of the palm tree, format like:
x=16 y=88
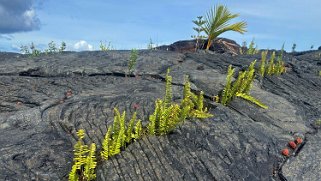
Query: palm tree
x=217 y=22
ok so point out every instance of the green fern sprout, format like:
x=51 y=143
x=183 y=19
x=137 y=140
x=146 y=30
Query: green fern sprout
x=155 y=117
x=248 y=79
x=271 y=65
x=200 y=111
x=252 y=50
x=236 y=86
x=187 y=103
x=89 y=170
x=129 y=132
x=104 y=47
x=132 y=60
x=173 y=118
x=117 y=143
x=84 y=160
x=138 y=129
x=106 y=145
x=263 y=60
x=73 y=174
x=168 y=90
x=226 y=92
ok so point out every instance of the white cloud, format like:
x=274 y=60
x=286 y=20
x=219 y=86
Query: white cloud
x=18 y=16
x=82 y=45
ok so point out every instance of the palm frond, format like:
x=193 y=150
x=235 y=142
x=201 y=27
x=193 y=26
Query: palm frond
x=217 y=22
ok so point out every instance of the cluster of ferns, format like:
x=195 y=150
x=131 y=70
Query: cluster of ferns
x=84 y=160
x=270 y=67
x=166 y=116
x=242 y=85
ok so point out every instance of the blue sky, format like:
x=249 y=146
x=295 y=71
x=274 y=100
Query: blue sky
x=128 y=24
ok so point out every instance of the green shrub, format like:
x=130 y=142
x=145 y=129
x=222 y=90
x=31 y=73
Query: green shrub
x=132 y=60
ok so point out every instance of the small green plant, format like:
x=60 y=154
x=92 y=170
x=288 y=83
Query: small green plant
x=62 y=47
x=52 y=47
x=84 y=160
x=217 y=22
x=104 y=47
x=263 y=62
x=24 y=49
x=252 y=50
x=320 y=73
x=34 y=52
x=243 y=48
x=30 y=50
x=241 y=87
x=293 y=47
x=271 y=65
x=132 y=60
x=199 y=29
x=151 y=45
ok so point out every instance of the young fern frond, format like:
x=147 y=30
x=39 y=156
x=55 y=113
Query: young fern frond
x=187 y=88
x=227 y=89
x=252 y=99
x=271 y=65
x=117 y=144
x=84 y=160
x=168 y=90
x=163 y=121
x=129 y=132
x=200 y=111
x=185 y=110
x=122 y=129
x=154 y=118
x=89 y=169
x=73 y=175
x=116 y=124
x=80 y=150
x=173 y=118
x=249 y=79
x=263 y=61
x=138 y=129
x=200 y=100
x=236 y=85
x=106 y=145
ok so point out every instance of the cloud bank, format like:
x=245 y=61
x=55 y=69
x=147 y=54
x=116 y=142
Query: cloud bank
x=18 y=16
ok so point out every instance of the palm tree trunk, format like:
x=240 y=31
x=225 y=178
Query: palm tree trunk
x=209 y=43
